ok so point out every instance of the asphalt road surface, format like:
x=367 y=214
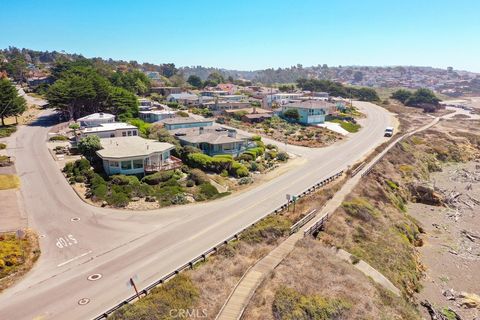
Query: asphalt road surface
x=119 y=244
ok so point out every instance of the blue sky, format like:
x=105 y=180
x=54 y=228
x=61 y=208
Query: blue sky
x=252 y=34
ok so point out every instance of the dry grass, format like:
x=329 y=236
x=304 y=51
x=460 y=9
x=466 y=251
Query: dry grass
x=313 y=269
x=17 y=257
x=9 y=181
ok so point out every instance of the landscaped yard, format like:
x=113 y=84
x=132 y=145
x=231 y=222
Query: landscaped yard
x=292 y=133
x=201 y=178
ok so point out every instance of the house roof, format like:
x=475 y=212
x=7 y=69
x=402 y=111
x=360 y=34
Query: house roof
x=157 y=112
x=258 y=115
x=250 y=110
x=97 y=116
x=309 y=104
x=183 y=96
x=184 y=120
x=130 y=147
x=211 y=135
x=109 y=127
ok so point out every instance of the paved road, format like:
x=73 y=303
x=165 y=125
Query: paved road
x=120 y=244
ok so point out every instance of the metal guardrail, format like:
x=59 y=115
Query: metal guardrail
x=214 y=249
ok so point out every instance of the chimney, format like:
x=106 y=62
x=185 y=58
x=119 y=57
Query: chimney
x=200 y=130
x=232 y=133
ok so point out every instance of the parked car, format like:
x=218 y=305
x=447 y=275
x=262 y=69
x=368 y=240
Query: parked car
x=388 y=132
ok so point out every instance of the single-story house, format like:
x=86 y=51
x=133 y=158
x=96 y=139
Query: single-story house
x=111 y=130
x=135 y=155
x=184 y=98
x=310 y=111
x=280 y=98
x=253 y=114
x=185 y=122
x=165 y=91
x=226 y=105
x=213 y=93
x=96 y=119
x=155 y=115
x=213 y=140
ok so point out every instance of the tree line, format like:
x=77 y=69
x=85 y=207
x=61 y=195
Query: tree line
x=81 y=88
x=420 y=98
x=337 y=89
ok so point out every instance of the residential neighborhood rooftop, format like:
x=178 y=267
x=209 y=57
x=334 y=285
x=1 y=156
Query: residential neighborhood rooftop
x=182 y=120
x=211 y=135
x=309 y=104
x=133 y=146
x=109 y=127
x=97 y=116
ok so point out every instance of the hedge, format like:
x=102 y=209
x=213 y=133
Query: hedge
x=158 y=177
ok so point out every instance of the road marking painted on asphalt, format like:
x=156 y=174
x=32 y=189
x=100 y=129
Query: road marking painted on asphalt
x=67 y=241
x=83 y=301
x=73 y=259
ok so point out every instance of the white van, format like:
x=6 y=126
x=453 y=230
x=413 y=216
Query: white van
x=388 y=132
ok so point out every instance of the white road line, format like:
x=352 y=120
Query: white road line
x=75 y=258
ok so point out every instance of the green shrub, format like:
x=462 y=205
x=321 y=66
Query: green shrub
x=80 y=179
x=198 y=176
x=2 y=146
x=6 y=131
x=361 y=209
x=99 y=192
x=290 y=304
x=270 y=155
x=199 y=160
x=122 y=180
x=190 y=183
x=245 y=180
x=158 y=177
x=245 y=157
x=271 y=147
x=239 y=170
x=208 y=191
x=58 y=138
x=167 y=192
x=118 y=199
x=282 y=156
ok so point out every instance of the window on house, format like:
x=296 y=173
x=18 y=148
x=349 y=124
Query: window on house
x=124 y=134
x=134 y=133
x=112 y=135
x=113 y=164
x=126 y=165
x=137 y=164
x=129 y=133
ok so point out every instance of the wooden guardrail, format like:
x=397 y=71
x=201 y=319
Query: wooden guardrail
x=203 y=256
x=317 y=225
x=309 y=216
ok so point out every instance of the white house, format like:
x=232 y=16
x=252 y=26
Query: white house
x=96 y=119
x=135 y=155
x=280 y=98
x=111 y=130
x=183 y=98
x=155 y=115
